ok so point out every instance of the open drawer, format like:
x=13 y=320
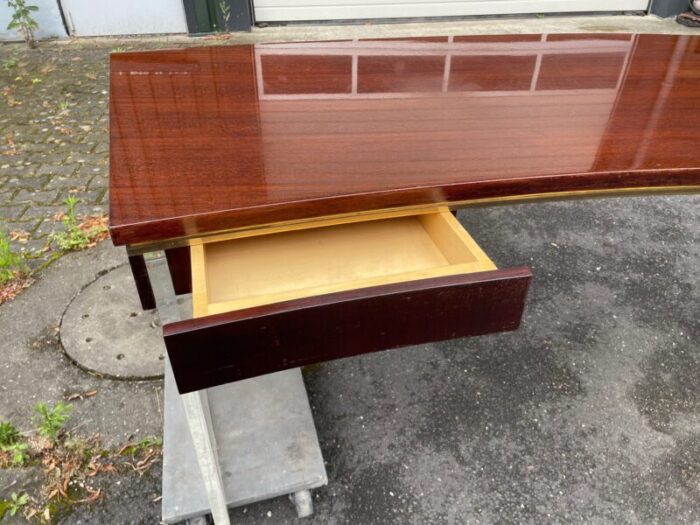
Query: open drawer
x=280 y=297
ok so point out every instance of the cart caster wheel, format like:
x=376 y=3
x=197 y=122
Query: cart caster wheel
x=303 y=503
x=200 y=520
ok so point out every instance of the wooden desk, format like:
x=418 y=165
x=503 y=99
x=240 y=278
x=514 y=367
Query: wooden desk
x=302 y=191
x=213 y=149
x=212 y=139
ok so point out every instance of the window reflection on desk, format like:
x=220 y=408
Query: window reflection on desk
x=493 y=104
x=411 y=67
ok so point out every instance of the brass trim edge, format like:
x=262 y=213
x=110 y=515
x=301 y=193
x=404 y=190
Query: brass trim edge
x=422 y=208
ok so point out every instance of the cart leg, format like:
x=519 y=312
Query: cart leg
x=196 y=406
x=303 y=503
x=199 y=419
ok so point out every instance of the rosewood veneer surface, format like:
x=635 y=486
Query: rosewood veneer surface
x=218 y=349
x=210 y=139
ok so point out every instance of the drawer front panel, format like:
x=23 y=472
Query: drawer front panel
x=228 y=347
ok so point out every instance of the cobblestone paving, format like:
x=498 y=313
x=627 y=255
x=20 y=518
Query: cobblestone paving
x=53 y=137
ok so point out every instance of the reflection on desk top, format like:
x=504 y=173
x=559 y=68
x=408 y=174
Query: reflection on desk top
x=217 y=138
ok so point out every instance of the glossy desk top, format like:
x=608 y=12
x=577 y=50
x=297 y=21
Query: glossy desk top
x=211 y=139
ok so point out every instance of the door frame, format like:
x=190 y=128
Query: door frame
x=207 y=16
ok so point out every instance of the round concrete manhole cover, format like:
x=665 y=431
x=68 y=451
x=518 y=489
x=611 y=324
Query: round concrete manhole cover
x=104 y=330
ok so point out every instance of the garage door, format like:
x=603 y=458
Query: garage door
x=302 y=10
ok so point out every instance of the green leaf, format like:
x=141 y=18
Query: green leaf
x=4 y=507
x=8 y=434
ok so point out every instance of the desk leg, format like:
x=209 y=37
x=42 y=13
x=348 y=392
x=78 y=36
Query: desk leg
x=196 y=405
x=143 y=283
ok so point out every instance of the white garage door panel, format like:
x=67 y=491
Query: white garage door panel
x=298 y=10
x=124 y=17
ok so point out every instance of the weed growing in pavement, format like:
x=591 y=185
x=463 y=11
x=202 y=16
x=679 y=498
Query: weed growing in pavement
x=8 y=434
x=51 y=420
x=17 y=452
x=17 y=502
x=72 y=467
x=79 y=234
x=11 y=264
x=9 y=64
x=10 y=444
x=133 y=449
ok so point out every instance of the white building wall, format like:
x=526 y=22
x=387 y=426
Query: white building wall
x=48 y=17
x=124 y=17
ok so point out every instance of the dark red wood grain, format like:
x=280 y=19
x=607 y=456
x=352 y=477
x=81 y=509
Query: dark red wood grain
x=218 y=349
x=210 y=139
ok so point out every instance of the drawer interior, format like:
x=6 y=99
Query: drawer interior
x=283 y=263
